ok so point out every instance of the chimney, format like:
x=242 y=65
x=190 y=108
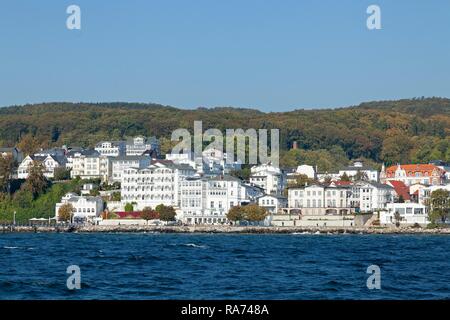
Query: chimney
x=294 y=145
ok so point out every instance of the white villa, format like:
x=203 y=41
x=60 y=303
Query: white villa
x=359 y=167
x=118 y=164
x=137 y=146
x=86 y=208
x=370 y=196
x=111 y=148
x=88 y=164
x=268 y=177
x=410 y=213
x=49 y=162
x=272 y=203
x=155 y=184
x=208 y=200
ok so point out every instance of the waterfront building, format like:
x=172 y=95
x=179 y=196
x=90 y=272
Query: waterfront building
x=370 y=196
x=86 y=208
x=410 y=214
x=207 y=200
x=425 y=193
x=401 y=191
x=272 y=203
x=155 y=184
x=409 y=174
x=270 y=178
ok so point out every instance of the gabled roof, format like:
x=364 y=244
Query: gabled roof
x=401 y=189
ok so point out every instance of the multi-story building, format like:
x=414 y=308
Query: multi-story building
x=425 y=193
x=118 y=164
x=272 y=203
x=207 y=200
x=369 y=196
x=268 y=177
x=358 y=167
x=155 y=184
x=409 y=174
x=139 y=145
x=88 y=164
x=319 y=199
x=85 y=208
x=111 y=148
x=49 y=163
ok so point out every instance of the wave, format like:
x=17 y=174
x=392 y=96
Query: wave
x=6 y=247
x=193 y=245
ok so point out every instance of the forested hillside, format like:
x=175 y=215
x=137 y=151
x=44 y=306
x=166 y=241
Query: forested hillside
x=413 y=130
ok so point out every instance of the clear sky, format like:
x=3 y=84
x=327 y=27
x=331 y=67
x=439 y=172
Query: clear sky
x=272 y=55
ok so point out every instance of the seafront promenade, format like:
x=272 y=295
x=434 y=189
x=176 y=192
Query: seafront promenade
x=222 y=229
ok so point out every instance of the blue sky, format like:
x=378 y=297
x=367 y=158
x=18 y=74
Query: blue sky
x=271 y=55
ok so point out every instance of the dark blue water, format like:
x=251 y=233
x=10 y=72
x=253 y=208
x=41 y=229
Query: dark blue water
x=196 y=266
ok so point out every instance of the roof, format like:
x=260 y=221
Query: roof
x=277 y=196
x=401 y=189
x=411 y=169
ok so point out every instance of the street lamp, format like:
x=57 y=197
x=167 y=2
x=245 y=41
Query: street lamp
x=14 y=218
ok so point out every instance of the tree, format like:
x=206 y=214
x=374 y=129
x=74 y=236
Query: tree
x=129 y=207
x=401 y=199
x=6 y=167
x=65 y=212
x=255 y=213
x=61 y=173
x=397 y=218
x=28 y=144
x=148 y=214
x=361 y=176
x=115 y=196
x=345 y=177
x=440 y=205
x=36 y=182
x=301 y=180
x=236 y=213
x=166 y=213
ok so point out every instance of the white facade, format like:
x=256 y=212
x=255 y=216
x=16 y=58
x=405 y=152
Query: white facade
x=88 y=164
x=111 y=148
x=118 y=164
x=208 y=200
x=410 y=213
x=425 y=193
x=272 y=203
x=49 y=162
x=138 y=145
x=268 y=177
x=306 y=170
x=318 y=199
x=155 y=184
x=358 y=167
x=85 y=207
x=370 y=196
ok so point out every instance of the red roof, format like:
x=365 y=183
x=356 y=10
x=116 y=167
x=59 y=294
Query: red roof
x=342 y=183
x=411 y=169
x=401 y=189
x=133 y=214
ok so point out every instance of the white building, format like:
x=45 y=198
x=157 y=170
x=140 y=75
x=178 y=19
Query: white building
x=111 y=148
x=318 y=199
x=359 y=167
x=139 y=145
x=370 y=196
x=268 y=177
x=155 y=184
x=49 y=162
x=88 y=164
x=410 y=213
x=409 y=174
x=207 y=200
x=118 y=164
x=272 y=203
x=425 y=193
x=86 y=208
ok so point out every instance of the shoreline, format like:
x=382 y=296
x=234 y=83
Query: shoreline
x=221 y=230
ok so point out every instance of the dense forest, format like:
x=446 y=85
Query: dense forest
x=409 y=130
